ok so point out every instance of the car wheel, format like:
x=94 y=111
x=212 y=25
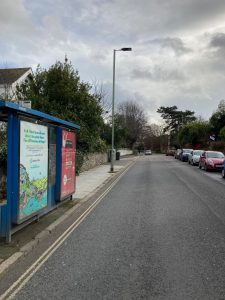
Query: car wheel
x=206 y=168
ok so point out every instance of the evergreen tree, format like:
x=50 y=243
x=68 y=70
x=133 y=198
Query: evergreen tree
x=60 y=92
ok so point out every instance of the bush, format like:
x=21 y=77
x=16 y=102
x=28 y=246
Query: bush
x=218 y=146
x=79 y=160
x=3 y=153
x=222 y=134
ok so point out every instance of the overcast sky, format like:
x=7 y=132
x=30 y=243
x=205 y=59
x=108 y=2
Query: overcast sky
x=178 y=55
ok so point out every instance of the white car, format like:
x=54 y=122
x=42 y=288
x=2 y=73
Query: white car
x=148 y=152
x=194 y=156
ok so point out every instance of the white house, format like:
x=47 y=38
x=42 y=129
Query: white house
x=9 y=79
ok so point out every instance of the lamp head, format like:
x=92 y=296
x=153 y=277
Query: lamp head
x=126 y=49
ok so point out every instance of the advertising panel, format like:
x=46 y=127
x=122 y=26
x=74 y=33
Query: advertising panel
x=33 y=169
x=68 y=164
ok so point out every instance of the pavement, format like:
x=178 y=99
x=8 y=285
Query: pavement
x=87 y=184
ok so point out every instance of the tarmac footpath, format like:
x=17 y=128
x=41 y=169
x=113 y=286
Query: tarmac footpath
x=89 y=186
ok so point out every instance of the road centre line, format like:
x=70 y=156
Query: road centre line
x=22 y=280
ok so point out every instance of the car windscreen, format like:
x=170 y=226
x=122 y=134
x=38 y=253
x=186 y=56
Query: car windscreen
x=215 y=155
x=198 y=153
x=187 y=150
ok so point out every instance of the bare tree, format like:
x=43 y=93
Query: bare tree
x=134 y=120
x=155 y=130
x=102 y=96
x=154 y=137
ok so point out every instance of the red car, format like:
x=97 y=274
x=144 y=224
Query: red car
x=211 y=160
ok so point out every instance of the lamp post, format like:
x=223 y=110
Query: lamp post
x=113 y=100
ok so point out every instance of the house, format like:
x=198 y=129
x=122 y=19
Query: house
x=9 y=79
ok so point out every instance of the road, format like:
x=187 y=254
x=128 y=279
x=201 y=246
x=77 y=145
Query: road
x=158 y=234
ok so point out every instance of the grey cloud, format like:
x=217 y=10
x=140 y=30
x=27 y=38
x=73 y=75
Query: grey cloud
x=43 y=31
x=176 y=44
x=218 y=40
x=98 y=55
x=158 y=74
x=120 y=20
x=191 y=15
x=14 y=19
x=211 y=58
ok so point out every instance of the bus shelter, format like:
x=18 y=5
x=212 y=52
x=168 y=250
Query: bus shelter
x=37 y=165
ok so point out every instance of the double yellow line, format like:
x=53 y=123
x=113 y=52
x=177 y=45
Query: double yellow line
x=22 y=280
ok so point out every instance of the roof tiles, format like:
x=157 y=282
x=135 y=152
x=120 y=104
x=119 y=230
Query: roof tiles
x=9 y=76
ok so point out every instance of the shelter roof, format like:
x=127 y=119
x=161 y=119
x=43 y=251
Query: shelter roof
x=6 y=106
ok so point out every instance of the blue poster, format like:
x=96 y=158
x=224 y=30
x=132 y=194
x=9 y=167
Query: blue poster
x=33 y=168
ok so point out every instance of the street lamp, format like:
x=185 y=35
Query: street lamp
x=113 y=97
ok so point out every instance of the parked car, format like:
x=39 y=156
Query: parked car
x=194 y=156
x=177 y=154
x=184 y=154
x=170 y=152
x=211 y=160
x=148 y=152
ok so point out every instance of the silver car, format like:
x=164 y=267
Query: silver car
x=194 y=156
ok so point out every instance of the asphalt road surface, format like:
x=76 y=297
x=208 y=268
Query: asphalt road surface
x=158 y=234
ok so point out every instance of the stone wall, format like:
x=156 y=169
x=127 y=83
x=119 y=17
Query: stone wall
x=93 y=159
x=124 y=152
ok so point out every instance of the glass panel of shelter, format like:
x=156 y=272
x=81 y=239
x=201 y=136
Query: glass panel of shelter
x=3 y=162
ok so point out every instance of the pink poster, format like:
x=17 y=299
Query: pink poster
x=68 y=164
